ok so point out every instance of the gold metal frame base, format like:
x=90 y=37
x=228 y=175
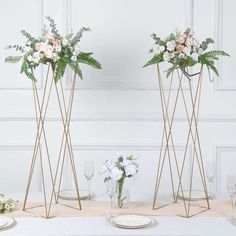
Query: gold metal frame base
x=168 y=151
x=41 y=111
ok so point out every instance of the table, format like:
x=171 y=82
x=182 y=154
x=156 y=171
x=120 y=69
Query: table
x=92 y=221
x=84 y=226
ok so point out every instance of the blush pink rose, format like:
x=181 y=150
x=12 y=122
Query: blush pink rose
x=50 y=37
x=180 y=48
x=171 y=45
x=189 y=42
x=40 y=47
x=196 y=43
x=181 y=39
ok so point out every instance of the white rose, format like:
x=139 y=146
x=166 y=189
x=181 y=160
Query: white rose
x=162 y=48
x=194 y=56
x=189 y=42
x=58 y=48
x=187 y=51
x=65 y=42
x=196 y=43
x=116 y=174
x=126 y=162
x=200 y=51
x=181 y=55
x=166 y=56
x=171 y=45
x=156 y=48
x=130 y=170
x=27 y=49
x=74 y=58
x=30 y=58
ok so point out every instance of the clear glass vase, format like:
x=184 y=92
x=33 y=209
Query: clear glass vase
x=122 y=198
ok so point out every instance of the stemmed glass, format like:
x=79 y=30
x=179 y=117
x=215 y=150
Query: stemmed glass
x=111 y=191
x=231 y=187
x=211 y=176
x=88 y=173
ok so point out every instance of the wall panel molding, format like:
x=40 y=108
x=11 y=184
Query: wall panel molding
x=220 y=83
x=40 y=7
x=27 y=147
x=111 y=116
x=117 y=85
x=218 y=149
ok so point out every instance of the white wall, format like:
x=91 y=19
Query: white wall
x=117 y=108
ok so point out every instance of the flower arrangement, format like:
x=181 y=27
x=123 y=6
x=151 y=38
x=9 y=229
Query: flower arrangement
x=6 y=205
x=51 y=47
x=118 y=169
x=183 y=50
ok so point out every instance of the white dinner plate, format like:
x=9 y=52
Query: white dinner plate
x=195 y=195
x=6 y=221
x=71 y=194
x=131 y=221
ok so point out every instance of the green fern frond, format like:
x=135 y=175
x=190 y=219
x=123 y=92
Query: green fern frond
x=156 y=59
x=85 y=58
x=12 y=59
x=78 y=36
x=214 y=53
x=75 y=67
x=60 y=68
x=25 y=68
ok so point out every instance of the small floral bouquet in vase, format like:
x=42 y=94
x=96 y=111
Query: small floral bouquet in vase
x=118 y=169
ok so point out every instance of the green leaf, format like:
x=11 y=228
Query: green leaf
x=85 y=58
x=210 y=40
x=170 y=70
x=214 y=53
x=75 y=67
x=16 y=47
x=213 y=68
x=107 y=179
x=25 y=68
x=60 y=68
x=53 y=26
x=78 y=36
x=28 y=36
x=156 y=59
x=12 y=59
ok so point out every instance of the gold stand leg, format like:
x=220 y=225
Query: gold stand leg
x=167 y=132
x=41 y=111
x=65 y=112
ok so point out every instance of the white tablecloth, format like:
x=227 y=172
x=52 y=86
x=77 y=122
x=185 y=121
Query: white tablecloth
x=168 y=226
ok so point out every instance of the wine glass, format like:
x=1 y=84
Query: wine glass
x=111 y=191
x=231 y=187
x=211 y=176
x=88 y=173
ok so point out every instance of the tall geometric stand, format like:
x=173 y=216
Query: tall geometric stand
x=168 y=150
x=41 y=108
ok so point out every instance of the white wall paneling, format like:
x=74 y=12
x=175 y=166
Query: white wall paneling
x=14 y=168
x=117 y=108
x=224 y=14
x=224 y=156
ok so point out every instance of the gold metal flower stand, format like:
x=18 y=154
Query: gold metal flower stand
x=55 y=180
x=177 y=164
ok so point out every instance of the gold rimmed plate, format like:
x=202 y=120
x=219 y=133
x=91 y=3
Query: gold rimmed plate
x=6 y=222
x=132 y=221
x=71 y=194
